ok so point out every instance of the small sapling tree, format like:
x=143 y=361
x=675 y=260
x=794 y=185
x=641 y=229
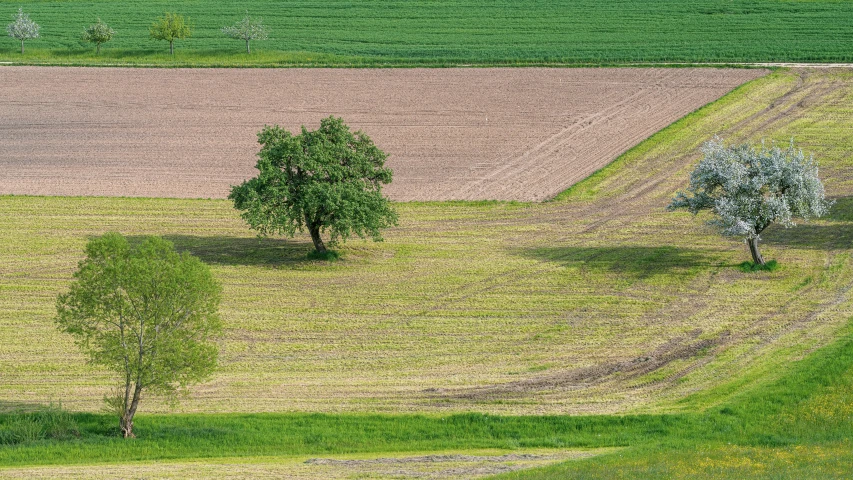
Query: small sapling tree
x=145 y=312
x=247 y=30
x=98 y=33
x=22 y=28
x=749 y=188
x=170 y=27
x=327 y=180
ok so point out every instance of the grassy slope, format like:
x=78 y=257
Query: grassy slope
x=484 y=294
x=450 y=32
x=798 y=427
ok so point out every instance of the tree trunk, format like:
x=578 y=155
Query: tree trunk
x=753 y=249
x=314 y=230
x=247 y=47
x=126 y=421
x=22 y=47
x=171 y=47
x=126 y=424
x=98 y=50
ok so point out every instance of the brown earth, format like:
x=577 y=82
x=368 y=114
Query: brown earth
x=508 y=134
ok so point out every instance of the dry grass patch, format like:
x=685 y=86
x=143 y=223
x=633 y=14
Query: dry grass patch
x=441 y=465
x=600 y=302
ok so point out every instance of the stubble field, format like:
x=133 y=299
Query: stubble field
x=452 y=134
x=598 y=302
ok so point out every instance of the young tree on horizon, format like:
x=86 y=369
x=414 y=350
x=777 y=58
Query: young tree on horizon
x=170 y=27
x=145 y=312
x=326 y=180
x=749 y=188
x=98 y=33
x=23 y=28
x=247 y=29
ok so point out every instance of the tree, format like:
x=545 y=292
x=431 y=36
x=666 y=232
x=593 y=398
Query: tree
x=170 y=27
x=23 y=28
x=324 y=180
x=98 y=33
x=247 y=29
x=750 y=188
x=145 y=312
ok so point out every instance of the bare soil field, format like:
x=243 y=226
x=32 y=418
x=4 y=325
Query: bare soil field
x=452 y=134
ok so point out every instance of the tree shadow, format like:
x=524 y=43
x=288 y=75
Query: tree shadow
x=13 y=406
x=841 y=211
x=834 y=232
x=635 y=261
x=835 y=236
x=245 y=251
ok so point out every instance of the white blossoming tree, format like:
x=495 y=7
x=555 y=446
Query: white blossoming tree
x=247 y=30
x=749 y=188
x=22 y=28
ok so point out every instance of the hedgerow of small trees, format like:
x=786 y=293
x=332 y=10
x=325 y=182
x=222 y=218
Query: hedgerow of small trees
x=749 y=188
x=326 y=180
x=145 y=312
x=170 y=27
x=22 y=28
x=98 y=33
x=247 y=29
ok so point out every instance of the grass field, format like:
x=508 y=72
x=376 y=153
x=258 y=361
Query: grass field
x=598 y=302
x=798 y=426
x=427 y=32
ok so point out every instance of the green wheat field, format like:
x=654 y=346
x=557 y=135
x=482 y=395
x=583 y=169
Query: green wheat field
x=445 y=32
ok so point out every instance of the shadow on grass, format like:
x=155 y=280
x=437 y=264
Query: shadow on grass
x=635 y=261
x=220 y=250
x=835 y=231
x=842 y=210
x=804 y=235
x=12 y=406
x=80 y=51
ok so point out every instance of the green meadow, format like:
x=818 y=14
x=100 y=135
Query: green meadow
x=446 y=33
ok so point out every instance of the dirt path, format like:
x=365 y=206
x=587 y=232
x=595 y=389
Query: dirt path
x=434 y=466
x=510 y=134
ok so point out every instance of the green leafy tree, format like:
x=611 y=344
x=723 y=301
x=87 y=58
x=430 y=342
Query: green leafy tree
x=98 y=33
x=145 y=312
x=247 y=30
x=327 y=180
x=749 y=188
x=170 y=27
x=22 y=28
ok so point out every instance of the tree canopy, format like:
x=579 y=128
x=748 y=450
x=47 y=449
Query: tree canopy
x=22 y=28
x=326 y=180
x=749 y=188
x=247 y=29
x=170 y=27
x=98 y=33
x=145 y=312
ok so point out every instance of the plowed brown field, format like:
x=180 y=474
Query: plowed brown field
x=506 y=134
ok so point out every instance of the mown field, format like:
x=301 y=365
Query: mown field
x=798 y=426
x=598 y=302
x=444 y=32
